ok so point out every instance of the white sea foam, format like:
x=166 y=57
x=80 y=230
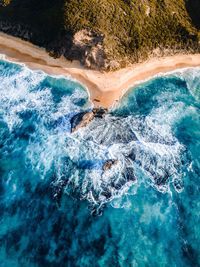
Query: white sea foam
x=192 y=79
x=141 y=145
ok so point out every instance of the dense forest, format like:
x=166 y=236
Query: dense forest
x=105 y=33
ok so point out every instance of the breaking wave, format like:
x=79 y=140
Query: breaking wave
x=138 y=134
x=139 y=164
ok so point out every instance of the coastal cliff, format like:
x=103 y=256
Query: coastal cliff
x=105 y=34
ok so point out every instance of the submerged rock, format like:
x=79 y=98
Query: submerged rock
x=82 y=119
x=130 y=174
x=57 y=190
x=110 y=131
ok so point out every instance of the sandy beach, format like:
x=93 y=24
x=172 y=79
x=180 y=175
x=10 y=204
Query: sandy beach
x=105 y=88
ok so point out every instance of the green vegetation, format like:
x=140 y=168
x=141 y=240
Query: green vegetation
x=132 y=29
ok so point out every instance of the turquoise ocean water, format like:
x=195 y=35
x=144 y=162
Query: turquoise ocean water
x=57 y=206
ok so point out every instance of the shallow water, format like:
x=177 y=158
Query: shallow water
x=59 y=208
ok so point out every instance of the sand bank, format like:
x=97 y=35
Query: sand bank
x=105 y=88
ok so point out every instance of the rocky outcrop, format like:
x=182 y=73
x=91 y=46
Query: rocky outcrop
x=99 y=112
x=82 y=119
x=87 y=46
x=109 y=164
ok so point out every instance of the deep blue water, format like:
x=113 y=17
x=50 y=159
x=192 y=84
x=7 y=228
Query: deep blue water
x=59 y=208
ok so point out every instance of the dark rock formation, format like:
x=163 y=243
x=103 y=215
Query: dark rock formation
x=84 y=118
x=99 y=112
x=81 y=120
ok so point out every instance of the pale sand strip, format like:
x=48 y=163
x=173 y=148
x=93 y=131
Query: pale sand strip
x=105 y=87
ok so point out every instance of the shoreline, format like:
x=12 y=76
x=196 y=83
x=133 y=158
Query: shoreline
x=104 y=88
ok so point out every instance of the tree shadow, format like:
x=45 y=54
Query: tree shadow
x=42 y=20
x=193 y=8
